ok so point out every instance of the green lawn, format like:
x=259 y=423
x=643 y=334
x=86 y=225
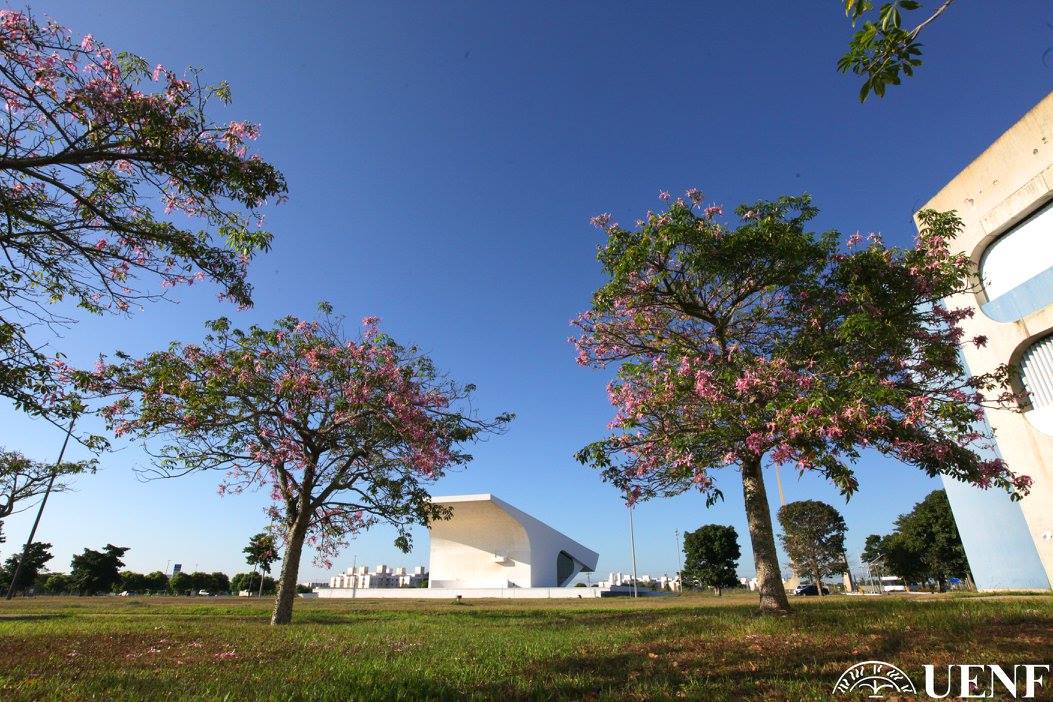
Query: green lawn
x=691 y=647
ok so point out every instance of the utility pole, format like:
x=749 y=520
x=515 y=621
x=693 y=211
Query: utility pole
x=632 y=543
x=36 y=522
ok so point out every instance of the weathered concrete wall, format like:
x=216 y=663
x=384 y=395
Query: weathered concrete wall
x=1006 y=183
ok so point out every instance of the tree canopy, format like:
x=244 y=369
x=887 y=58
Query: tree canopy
x=116 y=183
x=711 y=555
x=813 y=534
x=37 y=555
x=252 y=582
x=345 y=433
x=95 y=572
x=760 y=340
x=925 y=545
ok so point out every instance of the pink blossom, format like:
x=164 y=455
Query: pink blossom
x=603 y=221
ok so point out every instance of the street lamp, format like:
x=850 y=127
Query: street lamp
x=632 y=543
x=679 y=556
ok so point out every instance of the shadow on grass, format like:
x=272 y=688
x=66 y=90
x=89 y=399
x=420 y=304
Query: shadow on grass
x=32 y=617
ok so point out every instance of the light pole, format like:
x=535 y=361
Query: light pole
x=632 y=544
x=36 y=522
x=679 y=556
x=354 y=576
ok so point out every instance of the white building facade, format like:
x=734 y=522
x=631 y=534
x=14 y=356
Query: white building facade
x=1005 y=200
x=488 y=543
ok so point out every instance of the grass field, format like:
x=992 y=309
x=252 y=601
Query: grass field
x=690 y=647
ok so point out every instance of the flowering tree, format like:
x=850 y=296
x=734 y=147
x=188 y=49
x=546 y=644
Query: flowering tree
x=344 y=433
x=94 y=148
x=764 y=341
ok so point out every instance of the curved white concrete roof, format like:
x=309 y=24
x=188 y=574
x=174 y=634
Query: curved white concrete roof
x=489 y=543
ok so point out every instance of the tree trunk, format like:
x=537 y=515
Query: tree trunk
x=818 y=583
x=762 y=537
x=718 y=591
x=283 y=603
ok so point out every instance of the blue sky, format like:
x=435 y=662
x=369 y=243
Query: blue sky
x=443 y=160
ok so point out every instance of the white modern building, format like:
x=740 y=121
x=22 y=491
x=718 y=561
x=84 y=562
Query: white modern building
x=1005 y=200
x=488 y=543
x=487 y=548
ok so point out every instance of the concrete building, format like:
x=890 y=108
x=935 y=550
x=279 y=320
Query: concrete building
x=488 y=543
x=1005 y=199
x=488 y=548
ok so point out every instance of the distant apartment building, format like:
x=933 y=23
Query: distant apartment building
x=382 y=577
x=1005 y=200
x=619 y=579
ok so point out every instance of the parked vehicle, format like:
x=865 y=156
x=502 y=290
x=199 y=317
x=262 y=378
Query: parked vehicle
x=890 y=583
x=810 y=590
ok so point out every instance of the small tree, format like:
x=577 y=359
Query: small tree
x=261 y=552
x=93 y=572
x=762 y=341
x=814 y=539
x=96 y=144
x=711 y=555
x=346 y=433
x=37 y=555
